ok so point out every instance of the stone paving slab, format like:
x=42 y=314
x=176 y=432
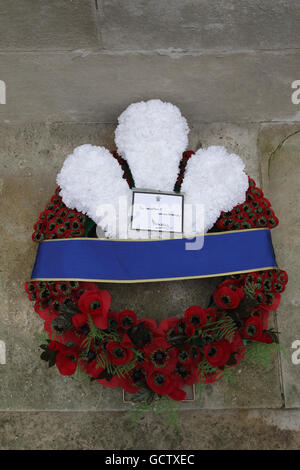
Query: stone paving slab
x=96 y=86
x=279 y=147
x=205 y=24
x=31 y=25
x=213 y=430
x=31 y=156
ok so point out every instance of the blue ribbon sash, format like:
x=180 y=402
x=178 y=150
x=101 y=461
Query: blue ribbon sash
x=104 y=260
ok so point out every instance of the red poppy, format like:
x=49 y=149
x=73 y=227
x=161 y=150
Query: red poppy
x=217 y=353
x=260 y=297
x=126 y=341
x=228 y=298
x=177 y=394
x=195 y=353
x=149 y=323
x=132 y=382
x=117 y=354
x=238 y=348
x=160 y=382
x=230 y=282
x=48 y=324
x=266 y=338
x=127 y=319
x=42 y=309
x=184 y=355
x=195 y=316
x=93 y=369
x=113 y=322
x=96 y=304
x=86 y=285
x=283 y=277
x=185 y=374
x=168 y=327
x=253 y=328
x=64 y=337
x=79 y=319
x=263 y=312
x=114 y=382
x=211 y=313
x=30 y=287
x=190 y=330
x=160 y=355
x=264 y=203
x=273 y=304
x=55 y=346
x=66 y=358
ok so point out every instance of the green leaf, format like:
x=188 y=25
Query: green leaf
x=261 y=354
x=44 y=356
x=89 y=225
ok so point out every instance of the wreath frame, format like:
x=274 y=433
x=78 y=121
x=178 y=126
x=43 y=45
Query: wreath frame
x=118 y=349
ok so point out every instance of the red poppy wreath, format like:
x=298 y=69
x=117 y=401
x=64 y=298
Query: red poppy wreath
x=119 y=349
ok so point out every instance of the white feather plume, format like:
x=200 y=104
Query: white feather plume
x=91 y=182
x=151 y=136
x=215 y=179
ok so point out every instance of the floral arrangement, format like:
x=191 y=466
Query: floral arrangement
x=119 y=349
x=122 y=350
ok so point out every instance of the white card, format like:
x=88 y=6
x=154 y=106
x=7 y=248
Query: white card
x=153 y=210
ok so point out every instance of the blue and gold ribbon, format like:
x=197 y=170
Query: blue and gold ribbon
x=128 y=261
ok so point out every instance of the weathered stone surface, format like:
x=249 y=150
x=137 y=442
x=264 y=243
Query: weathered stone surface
x=30 y=156
x=78 y=86
x=205 y=24
x=213 y=430
x=279 y=147
x=32 y=25
x=237 y=138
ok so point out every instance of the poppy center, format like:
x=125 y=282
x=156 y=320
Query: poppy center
x=183 y=356
x=94 y=305
x=159 y=356
x=91 y=355
x=251 y=330
x=195 y=320
x=212 y=351
x=225 y=299
x=119 y=352
x=138 y=375
x=159 y=379
x=71 y=357
x=113 y=323
x=85 y=329
x=127 y=321
x=181 y=370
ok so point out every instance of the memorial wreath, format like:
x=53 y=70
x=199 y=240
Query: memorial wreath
x=120 y=349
